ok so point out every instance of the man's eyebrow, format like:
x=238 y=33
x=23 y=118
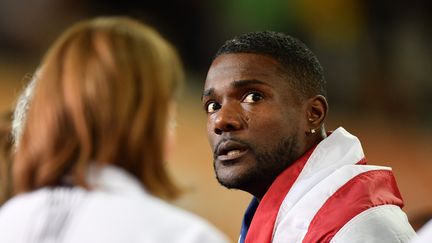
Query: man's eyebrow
x=207 y=92
x=247 y=82
x=236 y=84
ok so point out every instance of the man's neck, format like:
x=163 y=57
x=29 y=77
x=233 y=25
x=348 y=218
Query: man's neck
x=259 y=188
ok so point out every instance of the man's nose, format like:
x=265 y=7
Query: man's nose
x=228 y=119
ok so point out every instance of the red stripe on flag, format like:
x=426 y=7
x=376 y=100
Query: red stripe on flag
x=362 y=162
x=366 y=190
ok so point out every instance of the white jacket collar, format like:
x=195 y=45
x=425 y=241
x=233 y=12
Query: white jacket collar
x=338 y=149
x=113 y=179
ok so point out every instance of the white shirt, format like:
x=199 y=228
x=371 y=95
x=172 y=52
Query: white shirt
x=424 y=234
x=117 y=210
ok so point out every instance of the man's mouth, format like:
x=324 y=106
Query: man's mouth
x=230 y=150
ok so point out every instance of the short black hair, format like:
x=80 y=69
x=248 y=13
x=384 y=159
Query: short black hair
x=296 y=60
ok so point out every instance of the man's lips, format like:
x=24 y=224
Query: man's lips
x=230 y=150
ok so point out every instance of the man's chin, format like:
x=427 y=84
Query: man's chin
x=234 y=175
x=230 y=184
x=232 y=181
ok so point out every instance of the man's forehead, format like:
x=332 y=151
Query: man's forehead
x=241 y=66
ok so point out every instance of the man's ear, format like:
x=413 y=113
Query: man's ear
x=316 y=111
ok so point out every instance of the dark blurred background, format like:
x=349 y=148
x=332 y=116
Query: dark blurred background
x=376 y=55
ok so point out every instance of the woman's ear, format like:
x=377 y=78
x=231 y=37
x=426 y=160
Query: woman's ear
x=316 y=112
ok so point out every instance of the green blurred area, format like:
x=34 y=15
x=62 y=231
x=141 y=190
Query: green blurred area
x=376 y=54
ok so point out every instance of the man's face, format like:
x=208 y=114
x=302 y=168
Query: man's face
x=255 y=122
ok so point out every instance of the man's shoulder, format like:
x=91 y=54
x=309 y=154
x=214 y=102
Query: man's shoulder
x=341 y=197
x=385 y=223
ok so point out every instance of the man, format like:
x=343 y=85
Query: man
x=265 y=100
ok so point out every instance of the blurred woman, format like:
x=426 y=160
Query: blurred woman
x=90 y=150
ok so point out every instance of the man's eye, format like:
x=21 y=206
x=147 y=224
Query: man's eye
x=212 y=107
x=253 y=97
